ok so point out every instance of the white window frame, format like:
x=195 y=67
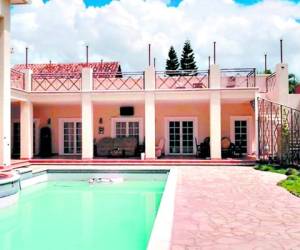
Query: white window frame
x=249 y=120
x=167 y=136
x=61 y=122
x=128 y=119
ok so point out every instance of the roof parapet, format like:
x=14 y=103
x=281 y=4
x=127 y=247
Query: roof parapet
x=20 y=1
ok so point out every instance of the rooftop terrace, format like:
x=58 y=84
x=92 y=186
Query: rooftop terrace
x=109 y=77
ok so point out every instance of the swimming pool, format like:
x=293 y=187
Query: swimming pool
x=71 y=214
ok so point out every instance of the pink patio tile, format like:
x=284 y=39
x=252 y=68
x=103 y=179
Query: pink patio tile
x=234 y=208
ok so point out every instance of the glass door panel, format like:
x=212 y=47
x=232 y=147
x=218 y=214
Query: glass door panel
x=187 y=137
x=241 y=131
x=69 y=138
x=121 y=128
x=78 y=137
x=72 y=137
x=174 y=137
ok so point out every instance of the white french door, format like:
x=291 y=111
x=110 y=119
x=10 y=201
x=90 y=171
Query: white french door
x=180 y=136
x=241 y=132
x=70 y=137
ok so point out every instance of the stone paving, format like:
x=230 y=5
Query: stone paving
x=234 y=208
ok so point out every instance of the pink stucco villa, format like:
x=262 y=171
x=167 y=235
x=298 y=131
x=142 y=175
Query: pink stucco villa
x=83 y=114
x=169 y=113
x=89 y=110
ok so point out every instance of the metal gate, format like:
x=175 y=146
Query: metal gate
x=278 y=133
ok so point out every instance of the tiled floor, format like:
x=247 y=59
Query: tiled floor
x=234 y=208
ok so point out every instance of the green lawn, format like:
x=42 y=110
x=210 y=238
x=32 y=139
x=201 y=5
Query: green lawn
x=291 y=183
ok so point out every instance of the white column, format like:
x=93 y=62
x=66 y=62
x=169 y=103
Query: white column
x=87 y=114
x=215 y=125
x=150 y=125
x=150 y=113
x=215 y=112
x=256 y=126
x=26 y=123
x=5 y=91
x=282 y=83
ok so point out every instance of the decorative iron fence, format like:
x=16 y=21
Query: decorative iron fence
x=17 y=79
x=238 y=78
x=278 y=133
x=64 y=82
x=179 y=79
x=270 y=82
x=121 y=81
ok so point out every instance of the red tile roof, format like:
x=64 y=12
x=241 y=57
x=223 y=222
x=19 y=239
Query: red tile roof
x=110 y=68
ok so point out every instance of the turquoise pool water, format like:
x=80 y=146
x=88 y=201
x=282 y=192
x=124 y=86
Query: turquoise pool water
x=73 y=215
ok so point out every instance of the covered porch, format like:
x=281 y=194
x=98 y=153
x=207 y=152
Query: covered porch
x=176 y=126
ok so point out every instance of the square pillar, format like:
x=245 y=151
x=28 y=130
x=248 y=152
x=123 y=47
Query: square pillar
x=87 y=127
x=26 y=130
x=150 y=125
x=150 y=112
x=215 y=125
x=27 y=79
x=256 y=126
x=87 y=117
x=214 y=77
x=5 y=88
x=87 y=80
x=282 y=83
x=150 y=78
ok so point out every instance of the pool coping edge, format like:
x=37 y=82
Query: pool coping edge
x=161 y=234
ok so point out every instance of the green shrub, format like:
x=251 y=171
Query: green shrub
x=293 y=178
x=291 y=183
x=291 y=171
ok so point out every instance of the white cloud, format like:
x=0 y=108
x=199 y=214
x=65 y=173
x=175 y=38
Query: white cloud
x=59 y=29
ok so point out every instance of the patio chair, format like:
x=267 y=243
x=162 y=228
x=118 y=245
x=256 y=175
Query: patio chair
x=205 y=148
x=198 y=148
x=198 y=85
x=228 y=148
x=231 y=82
x=159 y=148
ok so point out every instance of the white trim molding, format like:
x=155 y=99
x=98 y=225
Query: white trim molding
x=249 y=120
x=128 y=119
x=194 y=119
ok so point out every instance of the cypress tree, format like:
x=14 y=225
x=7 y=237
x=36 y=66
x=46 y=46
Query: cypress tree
x=187 y=61
x=172 y=62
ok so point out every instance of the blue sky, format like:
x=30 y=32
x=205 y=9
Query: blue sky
x=173 y=2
